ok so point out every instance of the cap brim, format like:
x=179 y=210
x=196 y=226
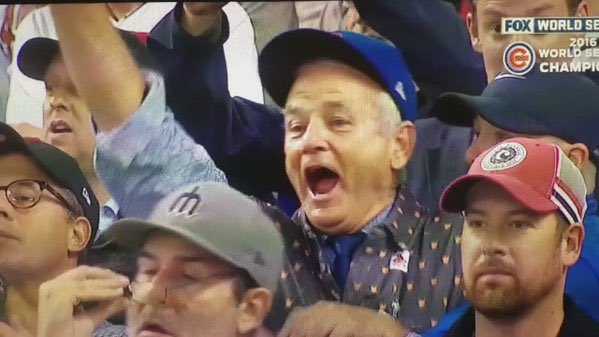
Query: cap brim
x=286 y=53
x=132 y=234
x=453 y=199
x=460 y=110
x=36 y=55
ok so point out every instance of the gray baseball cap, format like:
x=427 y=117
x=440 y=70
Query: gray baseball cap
x=219 y=219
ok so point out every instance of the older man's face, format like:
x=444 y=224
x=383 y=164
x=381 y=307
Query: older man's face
x=339 y=158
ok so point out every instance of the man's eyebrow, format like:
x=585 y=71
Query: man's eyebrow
x=146 y=255
x=192 y=258
x=335 y=104
x=293 y=110
x=473 y=211
x=539 y=9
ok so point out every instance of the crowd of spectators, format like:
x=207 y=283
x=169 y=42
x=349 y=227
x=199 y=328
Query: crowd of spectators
x=294 y=168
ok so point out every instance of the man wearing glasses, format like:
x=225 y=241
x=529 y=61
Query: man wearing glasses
x=202 y=271
x=48 y=219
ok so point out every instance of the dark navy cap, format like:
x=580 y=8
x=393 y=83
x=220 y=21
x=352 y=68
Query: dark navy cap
x=564 y=105
x=286 y=53
x=36 y=54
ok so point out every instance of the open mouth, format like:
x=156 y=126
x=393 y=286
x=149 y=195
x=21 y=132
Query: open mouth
x=59 y=126
x=154 y=328
x=321 y=180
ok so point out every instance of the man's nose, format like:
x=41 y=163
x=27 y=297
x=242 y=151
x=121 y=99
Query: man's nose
x=5 y=206
x=472 y=152
x=314 y=139
x=149 y=293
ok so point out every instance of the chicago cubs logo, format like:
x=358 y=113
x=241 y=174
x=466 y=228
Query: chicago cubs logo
x=519 y=58
x=504 y=157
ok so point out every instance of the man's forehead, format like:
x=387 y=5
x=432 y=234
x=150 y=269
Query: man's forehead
x=56 y=67
x=516 y=8
x=304 y=101
x=320 y=63
x=336 y=73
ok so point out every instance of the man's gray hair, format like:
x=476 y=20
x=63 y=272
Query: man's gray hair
x=76 y=210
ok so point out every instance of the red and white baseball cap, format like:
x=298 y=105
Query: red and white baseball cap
x=536 y=173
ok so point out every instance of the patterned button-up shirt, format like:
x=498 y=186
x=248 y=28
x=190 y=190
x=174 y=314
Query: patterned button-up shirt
x=408 y=266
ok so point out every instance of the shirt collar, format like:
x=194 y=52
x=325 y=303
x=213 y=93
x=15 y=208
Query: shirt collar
x=112 y=206
x=378 y=220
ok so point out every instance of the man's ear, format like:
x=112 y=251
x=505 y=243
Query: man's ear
x=582 y=10
x=572 y=244
x=253 y=309
x=473 y=30
x=404 y=145
x=578 y=154
x=79 y=235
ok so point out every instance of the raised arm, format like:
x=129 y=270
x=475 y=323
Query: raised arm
x=103 y=70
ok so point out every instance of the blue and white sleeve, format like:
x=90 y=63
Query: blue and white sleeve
x=150 y=156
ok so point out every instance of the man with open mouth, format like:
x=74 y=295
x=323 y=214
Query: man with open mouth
x=349 y=105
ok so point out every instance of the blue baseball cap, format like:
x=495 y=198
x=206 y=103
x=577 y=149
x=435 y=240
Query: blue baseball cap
x=564 y=105
x=286 y=53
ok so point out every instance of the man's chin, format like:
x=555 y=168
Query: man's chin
x=503 y=311
x=327 y=219
x=501 y=305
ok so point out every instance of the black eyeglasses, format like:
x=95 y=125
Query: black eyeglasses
x=27 y=193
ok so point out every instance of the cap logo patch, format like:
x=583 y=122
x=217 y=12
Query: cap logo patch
x=259 y=259
x=504 y=157
x=85 y=195
x=186 y=202
x=399 y=89
x=2 y=137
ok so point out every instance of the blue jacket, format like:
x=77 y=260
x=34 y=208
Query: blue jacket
x=582 y=283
